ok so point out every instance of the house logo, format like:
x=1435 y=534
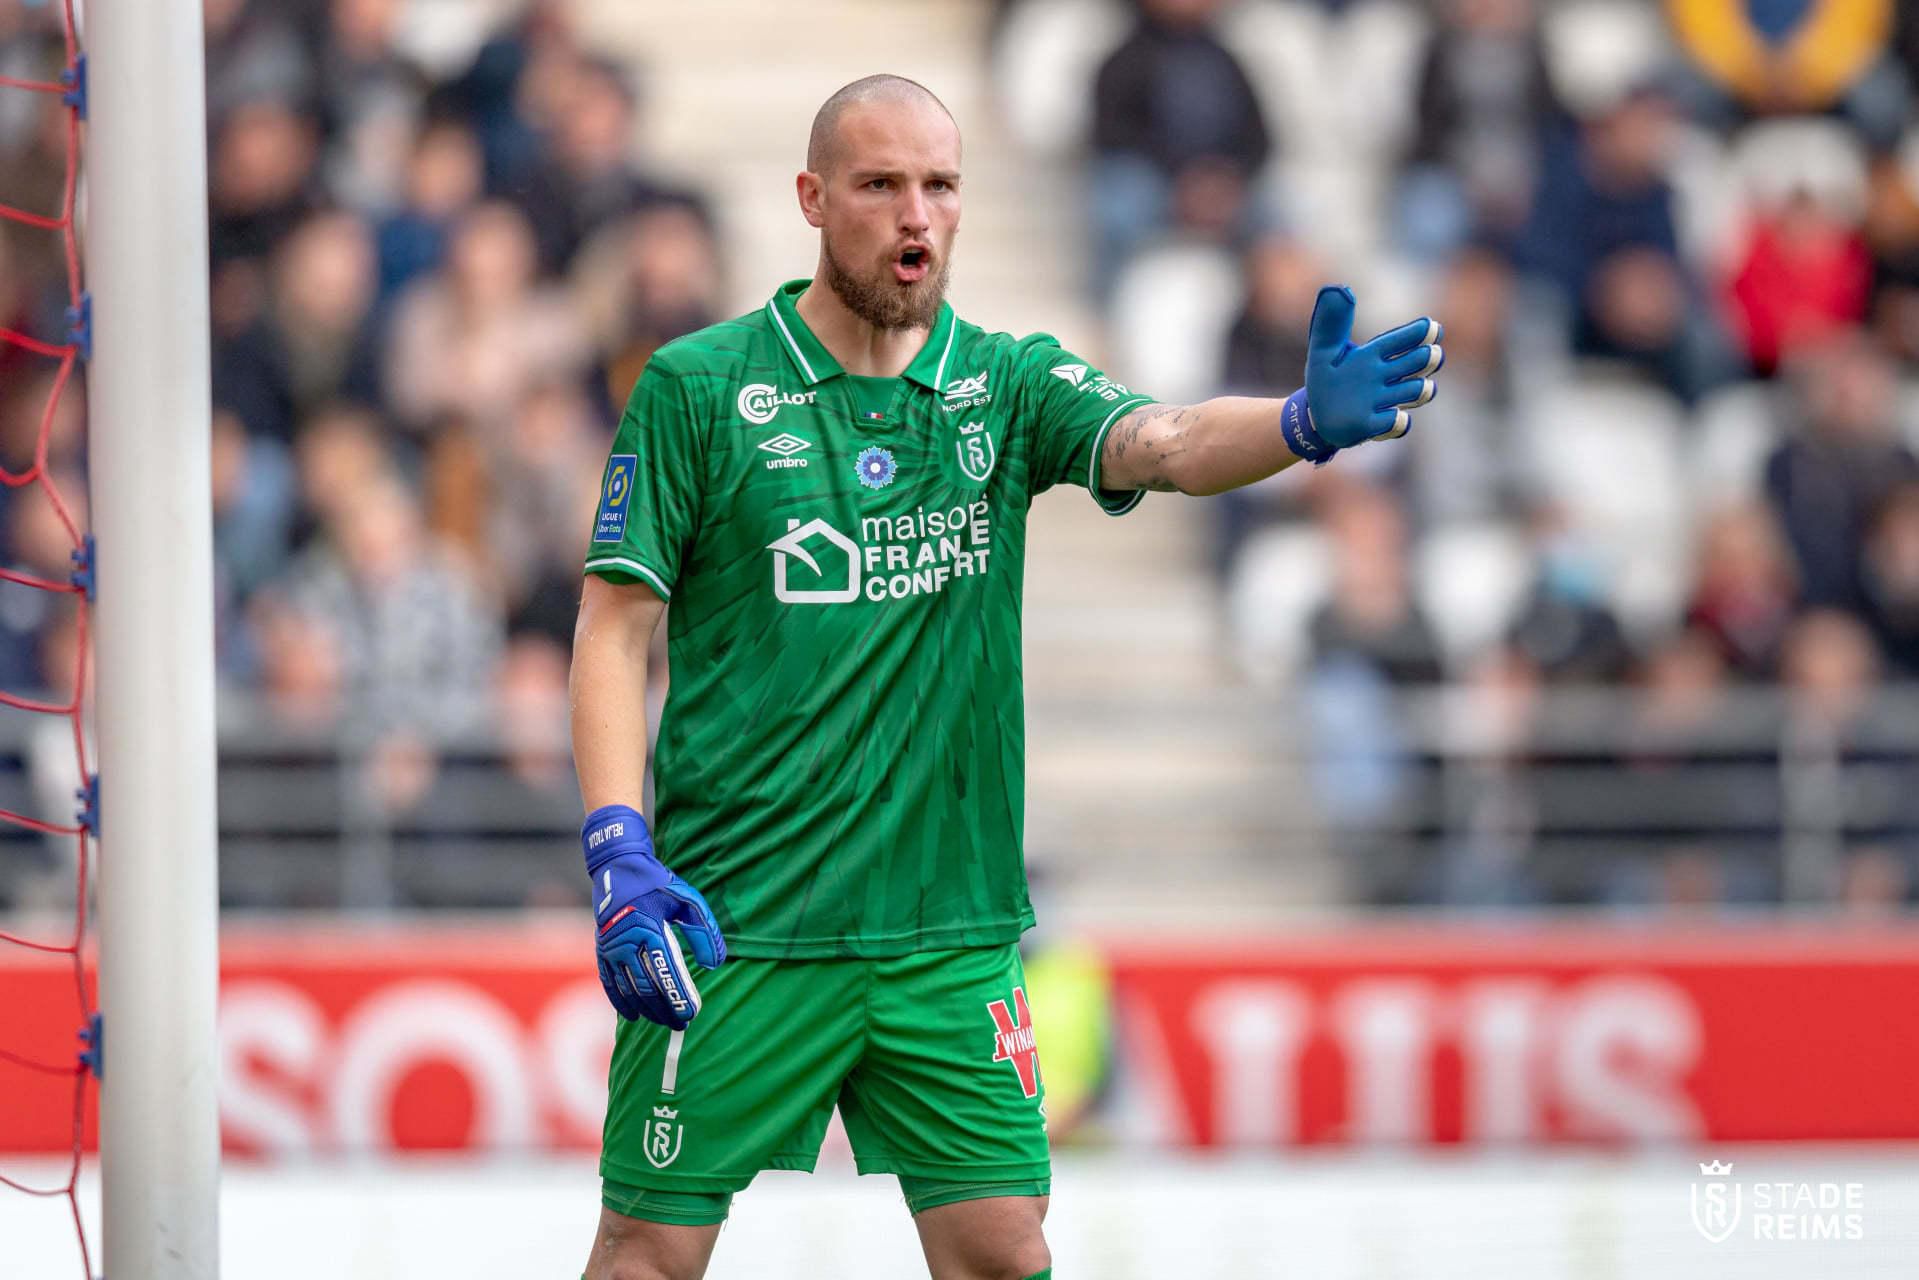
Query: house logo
x=792 y=545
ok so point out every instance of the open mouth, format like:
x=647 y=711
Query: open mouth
x=912 y=265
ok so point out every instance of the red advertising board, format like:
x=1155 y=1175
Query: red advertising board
x=497 y=1039
x=1464 y=1035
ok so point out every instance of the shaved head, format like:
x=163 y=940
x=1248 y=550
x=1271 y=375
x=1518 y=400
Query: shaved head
x=822 y=145
x=882 y=184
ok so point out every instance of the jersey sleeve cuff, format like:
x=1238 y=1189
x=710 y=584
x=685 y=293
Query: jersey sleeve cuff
x=1114 y=502
x=616 y=567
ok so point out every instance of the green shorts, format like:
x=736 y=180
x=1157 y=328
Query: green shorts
x=930 y=1059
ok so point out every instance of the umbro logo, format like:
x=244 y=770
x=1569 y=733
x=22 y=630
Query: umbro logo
x=785 y=444
x=1073 y=373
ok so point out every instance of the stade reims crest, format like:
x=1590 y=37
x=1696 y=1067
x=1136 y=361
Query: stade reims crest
x=976 y=453
x=1013 y=1040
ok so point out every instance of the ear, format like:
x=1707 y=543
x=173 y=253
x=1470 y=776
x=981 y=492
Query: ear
x=812 y=192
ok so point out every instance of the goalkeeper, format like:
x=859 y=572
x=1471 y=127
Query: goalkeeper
x=832 y=492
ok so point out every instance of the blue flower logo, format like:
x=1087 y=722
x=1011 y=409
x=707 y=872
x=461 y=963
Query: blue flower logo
x=875 y=467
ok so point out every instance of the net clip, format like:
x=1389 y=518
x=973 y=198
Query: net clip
x=93 y=1036
x=88 y=815
x=82 y=576
x=80 y=326
x=75 y=79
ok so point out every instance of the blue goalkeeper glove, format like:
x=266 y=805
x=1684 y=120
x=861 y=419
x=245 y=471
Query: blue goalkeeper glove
x=636 y=904
x=1355 y=394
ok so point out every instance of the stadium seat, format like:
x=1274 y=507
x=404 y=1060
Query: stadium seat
x=1734 y=431
x=1470 y=580
x=1909 y=412
x=443 y=35
x=1709 y=199
x=1775 y=158
x=1172 y=307
x=1598 y=49
x=1378 y=47
x=1276 y=584
x=1609 y=454
x=1336 y=207
x=1284 y=47
x=1048 y=56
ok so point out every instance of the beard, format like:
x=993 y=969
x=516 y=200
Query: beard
x=882 y=301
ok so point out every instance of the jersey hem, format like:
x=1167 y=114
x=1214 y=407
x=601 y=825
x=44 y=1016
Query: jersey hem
x=885 y=947
x=1123 y=500
x=598 y=566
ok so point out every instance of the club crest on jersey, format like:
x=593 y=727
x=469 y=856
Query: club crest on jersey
x=1013 y=1040
x=976 y=453
x=663 y=1137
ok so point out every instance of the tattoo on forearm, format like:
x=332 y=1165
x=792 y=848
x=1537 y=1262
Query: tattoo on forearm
x=1158 y=430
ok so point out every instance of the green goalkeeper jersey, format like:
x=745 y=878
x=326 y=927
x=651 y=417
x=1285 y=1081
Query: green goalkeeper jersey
x=840 y=765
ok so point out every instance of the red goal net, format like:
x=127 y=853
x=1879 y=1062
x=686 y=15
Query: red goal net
x=63 y=353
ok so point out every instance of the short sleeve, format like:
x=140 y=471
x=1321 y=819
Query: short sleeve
x=1069 y=406
x=650 y=492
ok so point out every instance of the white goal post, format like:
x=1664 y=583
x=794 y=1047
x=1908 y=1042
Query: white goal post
x=151 y=512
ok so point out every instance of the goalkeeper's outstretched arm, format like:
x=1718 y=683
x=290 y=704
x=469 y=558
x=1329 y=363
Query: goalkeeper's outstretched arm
x=1203 y=448
x=1352 y=394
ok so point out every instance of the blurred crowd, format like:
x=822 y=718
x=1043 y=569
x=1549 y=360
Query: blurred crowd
x=1676 y=251
x=432 y=288
x=1675 y=246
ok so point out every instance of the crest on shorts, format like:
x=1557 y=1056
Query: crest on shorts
x=1013 y=1040
x=663 y=1137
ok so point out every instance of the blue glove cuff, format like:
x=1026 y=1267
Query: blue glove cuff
x=1296 y=424
x=612 y=831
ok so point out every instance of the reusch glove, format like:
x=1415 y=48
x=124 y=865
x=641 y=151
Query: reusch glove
x=637 y=902
x=1355 y=394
